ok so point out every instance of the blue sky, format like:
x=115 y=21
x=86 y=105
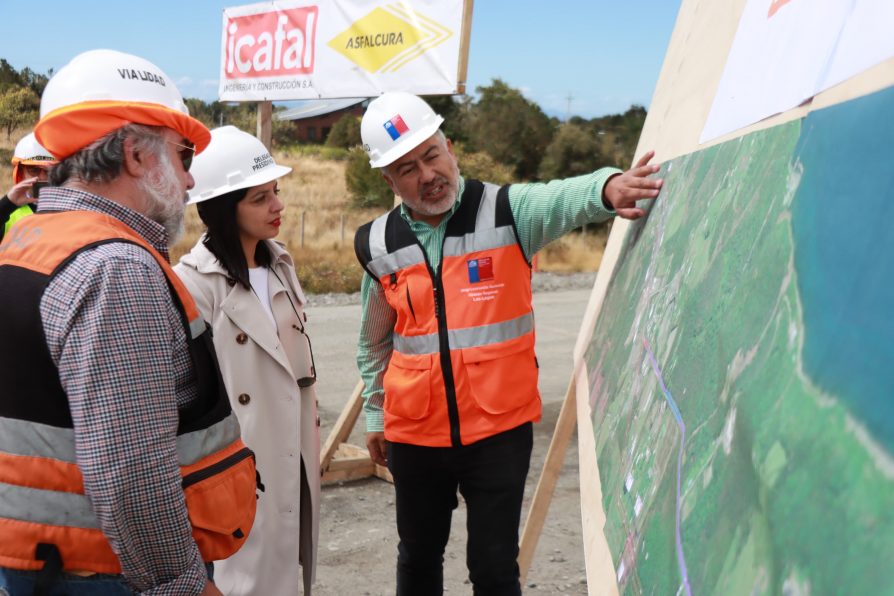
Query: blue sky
x=606 y=54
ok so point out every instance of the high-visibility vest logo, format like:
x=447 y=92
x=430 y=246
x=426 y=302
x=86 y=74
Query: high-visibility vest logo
x=480 y=269
x=271 y=44
x=388 y=38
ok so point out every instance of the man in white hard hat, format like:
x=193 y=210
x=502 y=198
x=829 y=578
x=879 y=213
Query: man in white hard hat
x=121 y=464
x=30 y=165
x=446 y=346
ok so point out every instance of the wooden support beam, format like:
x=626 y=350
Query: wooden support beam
x=351 y=462
x=341 y=461
x=546 y=486
x=265 y=123
x=462 y=68
x=343 y=426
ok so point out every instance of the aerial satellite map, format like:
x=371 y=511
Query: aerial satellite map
x=742 y=369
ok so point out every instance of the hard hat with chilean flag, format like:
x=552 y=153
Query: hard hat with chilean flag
x=394 y=124
x=102 y=90
x=28 y=152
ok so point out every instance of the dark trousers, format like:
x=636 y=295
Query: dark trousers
x=490 y=475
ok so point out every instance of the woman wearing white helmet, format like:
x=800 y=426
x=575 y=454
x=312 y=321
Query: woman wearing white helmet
x=30 y=164
x=245 y=286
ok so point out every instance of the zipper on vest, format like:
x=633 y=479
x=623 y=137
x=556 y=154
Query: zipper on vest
x=444 y=345
x=217 y=468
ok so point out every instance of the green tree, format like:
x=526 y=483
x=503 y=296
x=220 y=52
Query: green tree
x=575 y=150
x=9 y=76
x=243 y=115
x=455 y=111
x=366 y=185
x=34 y=80
x=19 y=106
x=619 y=133
x=511 y=129
x=345 y=133
x=481 y=166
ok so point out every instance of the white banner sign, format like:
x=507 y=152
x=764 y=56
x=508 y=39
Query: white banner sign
x=340 y=48
x=787 y=51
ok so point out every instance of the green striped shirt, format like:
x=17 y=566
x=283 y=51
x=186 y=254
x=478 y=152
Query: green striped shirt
x=542 y=212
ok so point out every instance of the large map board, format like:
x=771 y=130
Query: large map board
x=749 y=314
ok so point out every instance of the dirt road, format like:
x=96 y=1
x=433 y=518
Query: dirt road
x=358 y=540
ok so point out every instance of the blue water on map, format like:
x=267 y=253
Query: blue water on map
x=843 y=220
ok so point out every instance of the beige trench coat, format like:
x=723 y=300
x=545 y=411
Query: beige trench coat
x=278 y=419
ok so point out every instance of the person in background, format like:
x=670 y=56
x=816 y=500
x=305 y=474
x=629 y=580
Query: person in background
x=446 y=348
x=122 y=467
x=244 y=284
x=30 y=164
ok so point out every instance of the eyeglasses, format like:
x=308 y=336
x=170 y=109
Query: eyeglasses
x=305 y=382
x=187 y=152
x=34 y=171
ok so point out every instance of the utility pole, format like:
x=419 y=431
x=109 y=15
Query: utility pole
x=568 y=111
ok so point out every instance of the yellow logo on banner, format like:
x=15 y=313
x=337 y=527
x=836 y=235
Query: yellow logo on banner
x=388 y=38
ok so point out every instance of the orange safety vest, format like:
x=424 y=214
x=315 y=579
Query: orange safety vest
x=463 y=366
x=43 y=508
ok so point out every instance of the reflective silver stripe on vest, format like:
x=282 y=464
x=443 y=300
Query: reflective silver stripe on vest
x=60 y=508
x=468 y=337
x=381 y=263
x=32 y=439
x=487 y=208
x=457 y=246
x=399 y=259
x=193 y=446
x=485 y=335
x=46 y=507
x=416 y=344
x=377 y=237
x=196 y=327
x=486 y=236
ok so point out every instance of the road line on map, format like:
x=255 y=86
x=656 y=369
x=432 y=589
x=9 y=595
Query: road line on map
x=682 y=425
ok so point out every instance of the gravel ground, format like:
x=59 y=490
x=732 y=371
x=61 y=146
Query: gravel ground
x=358 y=541
x=541 y=282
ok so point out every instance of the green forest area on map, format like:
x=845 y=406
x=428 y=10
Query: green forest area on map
x=787 y=479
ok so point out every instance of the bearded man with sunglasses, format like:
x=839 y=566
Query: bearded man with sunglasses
x=121 y=464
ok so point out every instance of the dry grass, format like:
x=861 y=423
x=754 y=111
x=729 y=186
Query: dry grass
x=6 y=148
x=317 y=200
x=575 y=252
x=317 y=224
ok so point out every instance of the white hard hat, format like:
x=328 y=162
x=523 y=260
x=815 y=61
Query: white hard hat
x=29 y=152
x=394 y=124
x=28 y=149
x=102 y=90
x=234 y=160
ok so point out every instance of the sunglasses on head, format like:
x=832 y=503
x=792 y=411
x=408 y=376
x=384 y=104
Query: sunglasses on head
x=187 y=152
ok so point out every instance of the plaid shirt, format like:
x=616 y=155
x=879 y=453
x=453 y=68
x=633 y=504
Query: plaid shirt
x=117 y=338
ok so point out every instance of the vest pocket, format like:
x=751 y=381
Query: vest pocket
x=407 y=385
x=502 y=377
x=221 y=500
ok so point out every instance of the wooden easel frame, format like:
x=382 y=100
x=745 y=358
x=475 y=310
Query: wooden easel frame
x=341 y=461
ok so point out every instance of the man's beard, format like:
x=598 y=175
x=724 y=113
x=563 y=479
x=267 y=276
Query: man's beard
x=165 y=203
x=442 y=206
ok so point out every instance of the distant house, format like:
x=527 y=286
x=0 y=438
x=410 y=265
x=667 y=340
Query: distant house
x=313 y=120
